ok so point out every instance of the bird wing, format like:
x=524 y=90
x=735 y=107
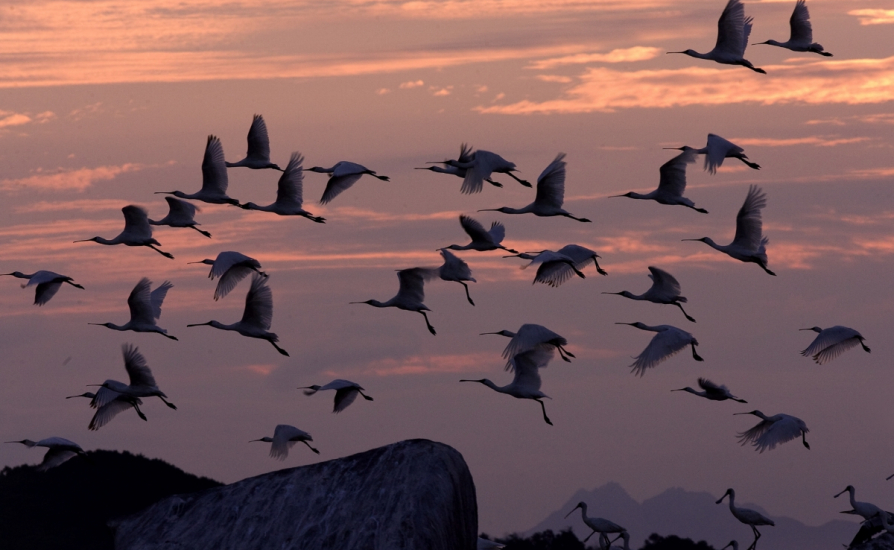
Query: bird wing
x=672 y=178
x=45 y=291
x=225 y=260
x=344 y=397
x=136 y=367
x=40 y=277
x=214 y=169
x=717 y=148
x=497 y=232
x=730 y=29
x=140 y=304
x=412 y=282
x=581 y=255
x=465 y=153
x=664 y=283
x=551 y=183
x=181 y=210
x=258 y=304
x=527 y=367
x=337 y=184
x=104 y=396
x=454 y=267
x=282 y=436
x=480 y=169
x=774 y=431
x=748 y=220
x=554 y=272
x=663 y=345
x=230 y=279
x=475 y=230
x=158 y=296
x=258 y=142
x=711 y=387
x=291 y=182
x=136 y=222
x=529 y=337
x=802 y=31
x=55 y=457
x=833 y=351
x=107 y=412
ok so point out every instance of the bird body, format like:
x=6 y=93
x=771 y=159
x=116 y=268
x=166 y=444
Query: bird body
x=865 y=509
x=672 y=183
x=230 y=267
x=530 y=337
x=345 y=392
x=59 y=450
x=455 y=269
x=284 y=437
x=733 y=29
x=482 y=240
x=668 y=342
x=665 y=289
x=141 y=382
x=526 y=382
x=747 y=516
x=801 y=37
x=599 y=525
x=774 y=430
x=180 y=214
x=718 y=149
x=451 y=167
x=832 y=342
x=214 y=177
x=712 y=391
x=556 y=267
x=411 y=293
x=48 y=284
x=289 y=193
x=258 y=155
x=114 y=404
x=477 y=168
x=145 y=308
x=137 y=231
x=342 y=176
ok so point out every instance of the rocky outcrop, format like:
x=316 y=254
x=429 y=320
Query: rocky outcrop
x=414 y=494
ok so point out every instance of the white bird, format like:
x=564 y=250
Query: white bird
x=773 y=430
x=550 y=194
x=529 y=337
x=341 y=177
x=258 y=155
x=180 y=214
x=289 y=193
x=526 y=382
x=231 y=267
x=624 y=535
x=141 y=382
x=801 y=38
x=598 y=525
x=214 y=177
x=60 y=450
x=665 y=289
x=137 y=231
x=455 y=269
x=557 y=267
x=667 y=343
x=747 y=516
x=479 y=168
x=284 y=437
x=465 y=156
x=832 y=342
x=257 y=316
x=733 y=29
x=411 y=293
x=671 y=183
x=482 y=240
x=716 y=150
x=145 y=309
x=114 y=404
x=712 y=391
x=47 y=282
x=749 y=244
x=345 y=392
x=864 y=509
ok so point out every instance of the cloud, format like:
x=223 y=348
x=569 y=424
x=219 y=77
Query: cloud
x=873 y=17
x=68 y=180
x=818 y=141
x=9 y=118
x=411 y=84
x=622 y=55
x=877 y=118
x=554 y=78
x=86 y=205
x=429 y=364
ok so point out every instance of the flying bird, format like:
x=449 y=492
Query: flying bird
x=478 y=168
x=141 y=382
x=557 y=267
x=712 y=391
x=832 y=342
x=747 y=516
x=230 y=267
x=801 y=38
x=345 y=392
x=258 y=155
x=716 y=150
x=455 y=269
x=550 y=194
x=465 y=156
x=180 y=214
x=411 y=293
x=667 y=343
x=530 y=337
x=145 y=309
x=773 y=430
x=60 y=450
x=257 y=316
x=289 y=194
x=284 y=437
x=482 y=240
x=671 y=183
x=598 y=525
x=137 y=231
x=114 y=404
x=214 y=177
x=47 y=282
x=526 y=382
x=733 y=29
x=341 y=177
x=665 y=289
x=749 y=244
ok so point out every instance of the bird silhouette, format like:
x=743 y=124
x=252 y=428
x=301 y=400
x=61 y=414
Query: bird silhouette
x=529 y=337
x=712 y=391
x=465 y=156
x=230 y=267
x=773 y=430
x=665 y=289
x=478 y=168
x=342 y=176
x=557 y=267
x=801 y=37
x=137 y=231
x=284 y=437
x=747 y=516
x=141 y=382
x=526 y=382
x=59 y=450
x=180 y=214
x=345 y=392
x=864 y=509
x=716 y=150
x=145 y=309
x=455 y=269
x=668 y=342
x=258 y=155
x=671 y=183
x=598 y=525
x=411 y=293
x=733 y=29
x=214 y=177
x=832 y=342
x=289 y=194
x=482 y=240
x=114 y=404
x=47 y=282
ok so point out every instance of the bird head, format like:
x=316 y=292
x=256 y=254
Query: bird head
x=687 y=388
x=703 y=239
x=370 y=302
x=264 y=439
x=754 y=412
x=310 y=390
x=579 y=505
x=624 y=293
x=25 y=442
x=107 y=325
x=15 y=274
x=507 y=333
x=814 y=329
x=205 y=261
x=480 y=381
x=729 y=492
x=770 y=42
x=503 y=209
x=846 y=489
x=637 y=324
x=630 y=194
x=94 y=239
x=686 y=52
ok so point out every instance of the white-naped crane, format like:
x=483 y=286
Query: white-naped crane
x=668 y=342
x=749 y=517
x=665 y=289
x=59 y=450
x=214 y=177
x=258 y=155
x=483 y=240
x=411 y=293
x=345 y=392
x=801 y=37
x=529 y=337
x=141 y=382
x=716 y=150
x=145 y=308
x=832 y=342
x=180 y=214
x=230 y=267
x=284 y=437
x=289 y=193
x=773 y=430
x=137 y=231
x=342 y=176
x=712 y=391
x=48 y=284
x=671 y=183
x=733 y=29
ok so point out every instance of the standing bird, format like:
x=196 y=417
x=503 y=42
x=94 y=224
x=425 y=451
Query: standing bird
x=257 y=316
x=667 y=343
x=411 y=293
x=832 y=342
x=341 y=177
x=289 y=193
x=137 y=231
x=114 y=404
x=345 y=392
x=864 y=509
x=773 y=430
x=482 y=240
x=258 y=155
x=214 y=177
x=526 y=382
x=180 y=214
x=733 y=29
x=747 y=516
x=550 y=194
x=284 y=437
x=671 y=183
x=598 y=525
x=60 y=450
x=530 y=337
x=716 y=150
x=142 y=383
x=479 y=168
x=801 y=38
x=47 y=282
x=455 y=269
x=749 y=244
x=465 y=156
x=712 y=391
x=231 y=267
x=145 y=309
x=665 y=289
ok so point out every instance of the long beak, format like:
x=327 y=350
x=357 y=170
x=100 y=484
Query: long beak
x=841 y=493
x=572 y=511
x=741 y=413
x=805 y=329
x=199 y=324
x=164 y=192
x=253 y=440
x=690 y=239
x=89 y=385
x=631 y=324
x=488 y=210
x=675 y=52
x=614 y=196
x=82 y=241
x=483 y=333
x=618 y=293
x=98 y=324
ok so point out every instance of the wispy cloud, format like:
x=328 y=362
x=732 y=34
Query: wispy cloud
x=623 y=55
x=86 y=205
x=10 y=118
x=411 y=84
x=430 y=364
x=873 y=16
x=818 y=141
x=67 y=180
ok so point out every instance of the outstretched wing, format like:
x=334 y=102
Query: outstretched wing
x=673 y=173
x=181 y=210
x=412 y=282
x=136 y=222
x=749 y=226
x=527 y=367
x=214 y=169
x=665 y=282
x=258 y=304
x=769 y=433
x=258 y=142
x=551 y=183
x=474 y=229
x=107 y=412
x=139 y=302
x=337 y=184
x=802 y=31
x=291 y=182
x=135 y=364
x=663 y=345
x=730 y=29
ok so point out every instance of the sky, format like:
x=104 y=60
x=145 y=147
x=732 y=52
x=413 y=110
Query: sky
x=106 y=102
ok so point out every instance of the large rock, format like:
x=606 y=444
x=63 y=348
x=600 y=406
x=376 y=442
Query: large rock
x=414 y=494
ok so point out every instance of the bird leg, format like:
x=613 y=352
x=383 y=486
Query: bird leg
x=521 y=181
x=139 y=412
x=548 y=421
x=469 y=298
x=866 y=349
x=684 y=311
x=279 y=349
x=757 y=535
x=82 y=288
x=200 y=231
x=590 y=535
x=702 y=210
x=311 y=448
x=494 y=183
x=563 y=352
x=509 y=250
x=577 y=271
x=599 y=269
x=578 y=219
x=431 y=329
x=168 y=403
x=694 y=354
x=804 y=440
x=317 y=219
x=165 y=254
x=368 y=398
x=767 y=270
x=168 y=336
x=750 y=164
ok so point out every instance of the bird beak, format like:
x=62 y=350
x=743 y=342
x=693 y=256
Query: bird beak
x=674 y=148
x=483 y=333
x=618 y=293
x=675 y=52
x=199 y=324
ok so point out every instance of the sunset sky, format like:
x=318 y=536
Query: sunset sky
x=106 y=102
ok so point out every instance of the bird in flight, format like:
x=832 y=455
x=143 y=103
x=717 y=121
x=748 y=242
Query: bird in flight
x=342 y=176
x=284 y=437
x=482 y=240
x=465 y=156
x=289 y=193
x=214 y=177
x=258 y=155
x=668 y=342
x=716 y=150
x=455 y=269
x=345 y=392
x=145 y=309
x=832 y=342
x=230 y=267
x=774 y=430
x=671 y=183
x=137 y=231
x=114 y=404
x=712 y=391
x=48 y=284
x=59 y=450
x=665 y=289
x=801 y=37
x=733 y=29
x=142 y=383
x=478 y=168
x=410 y=294
x=529 y=337
x=180 y=214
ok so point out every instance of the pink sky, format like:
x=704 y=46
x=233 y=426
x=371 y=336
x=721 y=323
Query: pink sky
x=106 y=102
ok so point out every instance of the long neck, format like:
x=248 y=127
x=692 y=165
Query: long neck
x=693 y=53
x=732 y=502
x=583 y=512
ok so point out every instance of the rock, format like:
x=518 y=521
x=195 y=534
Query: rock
x=415 y=494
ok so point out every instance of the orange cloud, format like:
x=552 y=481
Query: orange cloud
x=70 y=180
x=428 y=364
x=819 y=141
x=873 y=17
x=622 y=55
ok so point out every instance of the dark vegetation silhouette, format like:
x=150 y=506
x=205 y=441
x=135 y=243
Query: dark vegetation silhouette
x=70 y=505
x=567 y=540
